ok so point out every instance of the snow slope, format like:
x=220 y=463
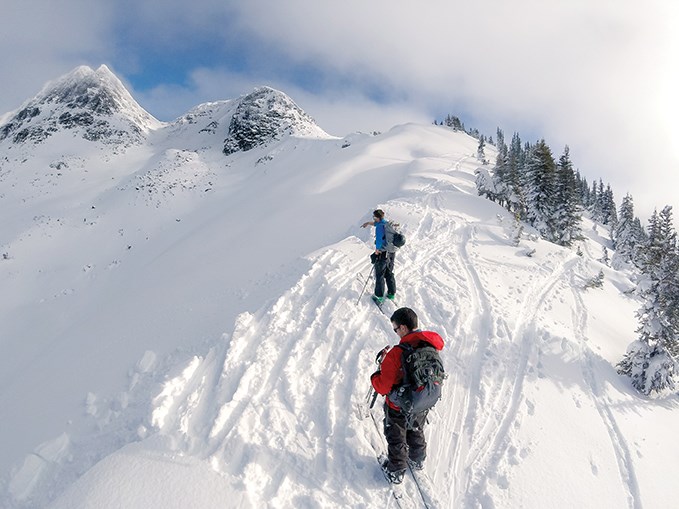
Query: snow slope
x=182 y=330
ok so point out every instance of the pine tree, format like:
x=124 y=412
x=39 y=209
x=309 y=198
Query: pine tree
x=485 y=184
x=596 y=282
x=454 y=122
x=540 y=189
x=500 y=177
x=605 y=258
x=500 y=134
x=596 y=200
x=567 y=215
x=642 y=241
x=506 y=184
x=609 y=215
x=506 y=175
x=584 y=192
x=481 y=149
x=513 y=181
x=668 y=281
x=626 y=235
x=649 y=361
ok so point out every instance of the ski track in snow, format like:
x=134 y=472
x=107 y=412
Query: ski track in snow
x=491 y=403
x=253 y=380
x=618 y=443
x=316 y=328
x=483 y=407
x=523 y=338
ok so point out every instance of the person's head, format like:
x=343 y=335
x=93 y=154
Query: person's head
x=404 y=321
x=378 y=215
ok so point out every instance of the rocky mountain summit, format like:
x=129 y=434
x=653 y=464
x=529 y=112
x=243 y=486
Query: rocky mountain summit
x=266 y=115
x=93 y=104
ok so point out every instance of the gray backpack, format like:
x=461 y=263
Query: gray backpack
x=392 y=237
x=423 y=376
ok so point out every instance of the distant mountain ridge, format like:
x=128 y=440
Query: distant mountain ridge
x=96 y=106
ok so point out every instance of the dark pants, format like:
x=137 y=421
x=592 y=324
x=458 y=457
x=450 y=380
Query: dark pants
x=384 y=271
x=403 y=443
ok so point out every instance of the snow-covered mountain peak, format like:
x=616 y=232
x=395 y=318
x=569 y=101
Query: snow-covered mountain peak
x=93 y=102
x=265 y=115
x=99 y=91
x=95 y=105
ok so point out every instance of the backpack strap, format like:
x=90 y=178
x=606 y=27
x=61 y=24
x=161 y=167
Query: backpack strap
x=406 y=350
x=388 y=233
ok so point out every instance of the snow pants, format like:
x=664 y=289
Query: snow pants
x=384 y=271
x=404 y=443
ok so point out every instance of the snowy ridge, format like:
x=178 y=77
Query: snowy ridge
x=261 y=413
x=200 y=129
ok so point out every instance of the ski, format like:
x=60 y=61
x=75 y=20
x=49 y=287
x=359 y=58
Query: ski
x=390 y=303
x=426 y=488
x=378 y=303
x=396 y=489
x=387 y=306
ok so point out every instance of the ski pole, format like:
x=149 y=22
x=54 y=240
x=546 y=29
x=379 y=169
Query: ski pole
x=372 y=401
x=366 y=284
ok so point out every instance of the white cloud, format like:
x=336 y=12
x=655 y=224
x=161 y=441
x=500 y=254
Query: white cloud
x=339 y=112
x=595 y=75
x=599 y=76
x=42 y=40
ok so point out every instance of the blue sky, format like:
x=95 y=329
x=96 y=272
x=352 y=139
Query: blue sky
x=599 y=76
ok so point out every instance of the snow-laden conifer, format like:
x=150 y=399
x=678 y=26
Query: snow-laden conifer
x=567 y=211
x=540 y=189
x=650 y=361
x=627 y=234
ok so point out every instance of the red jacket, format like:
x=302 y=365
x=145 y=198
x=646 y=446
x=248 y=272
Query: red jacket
x=391 y=371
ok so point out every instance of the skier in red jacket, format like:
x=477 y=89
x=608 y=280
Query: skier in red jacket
x=406 y=444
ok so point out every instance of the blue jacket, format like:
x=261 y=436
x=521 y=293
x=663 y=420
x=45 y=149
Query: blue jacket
x=380 y=240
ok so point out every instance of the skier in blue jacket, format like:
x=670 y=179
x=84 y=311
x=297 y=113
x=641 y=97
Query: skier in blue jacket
x=383 y=257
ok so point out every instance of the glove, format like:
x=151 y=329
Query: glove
x=373 y=258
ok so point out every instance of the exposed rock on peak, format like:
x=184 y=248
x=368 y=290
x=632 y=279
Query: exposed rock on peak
x=98 y=91
x=266 y=115
x=95 y=102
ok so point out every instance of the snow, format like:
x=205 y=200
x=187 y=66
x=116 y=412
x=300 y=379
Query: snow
x=84 y=84
x=181 y=329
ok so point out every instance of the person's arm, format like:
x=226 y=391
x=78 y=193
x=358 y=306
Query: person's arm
x=366 y=224
x=389 y=373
